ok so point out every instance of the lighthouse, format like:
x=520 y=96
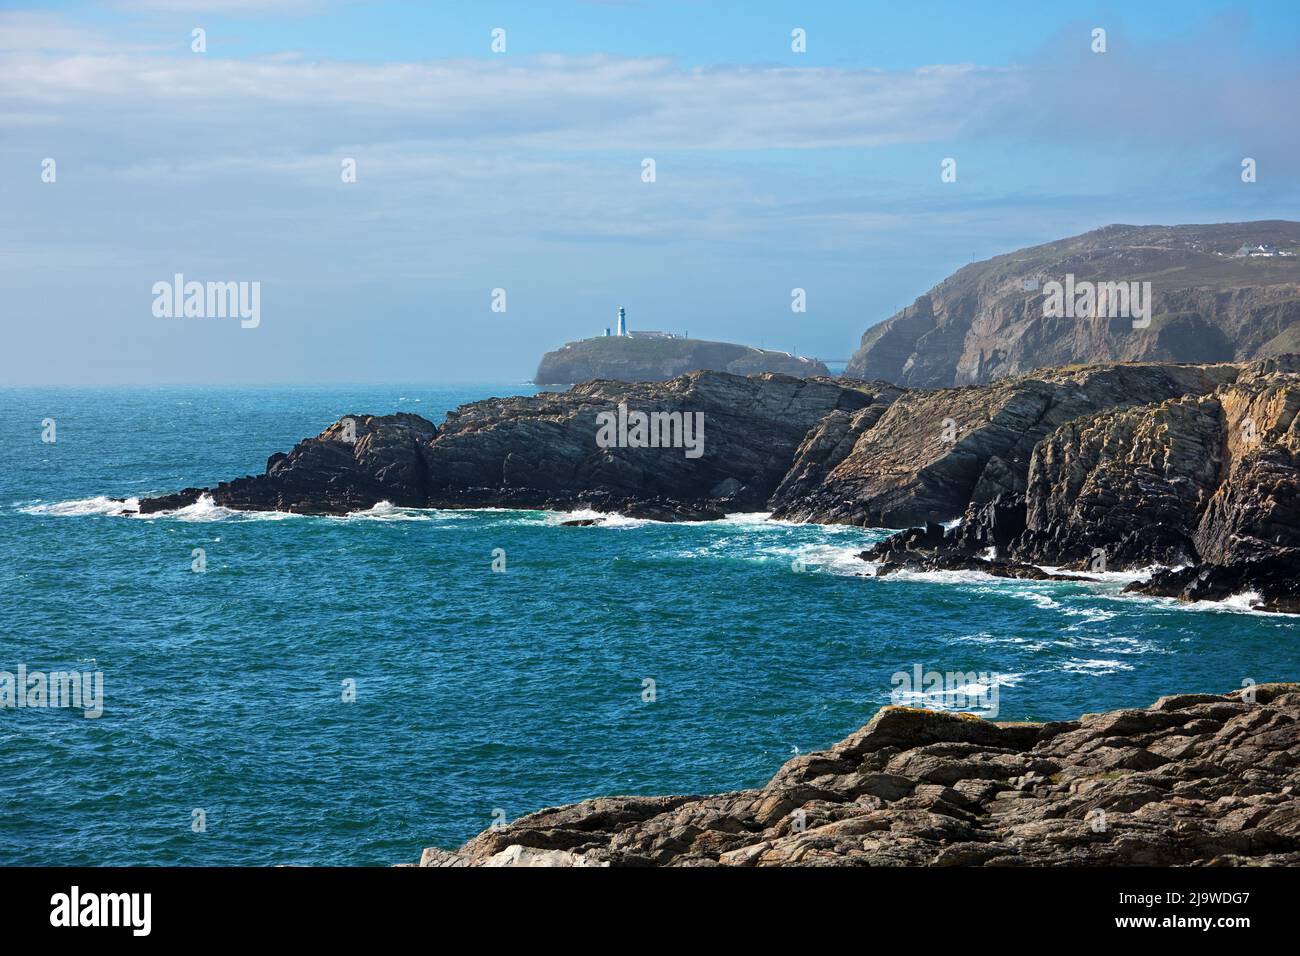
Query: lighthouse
x=622 y=321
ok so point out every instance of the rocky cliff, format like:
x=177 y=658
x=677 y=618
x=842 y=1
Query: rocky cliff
x=1207 y=482
x=1194 y=779
x=924 y=455
x=543 y=451
x=636 y=359
x=985 y=321
x=1107 y=466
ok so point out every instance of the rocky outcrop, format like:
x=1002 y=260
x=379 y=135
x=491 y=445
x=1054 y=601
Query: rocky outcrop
x=542 y=451
x=639 y=359
x=1103 y=467
x=1269 y=583
x=357 y=462
x=1207 y=484
x=985 y=322
x=924 y=455
x=1194 y=779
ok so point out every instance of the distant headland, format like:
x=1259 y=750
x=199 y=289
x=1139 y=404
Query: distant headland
x=624 y=355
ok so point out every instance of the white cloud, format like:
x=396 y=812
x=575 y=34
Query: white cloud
x=581 y=103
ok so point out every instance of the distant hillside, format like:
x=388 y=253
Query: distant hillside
x=983 y=323
x=633 y=359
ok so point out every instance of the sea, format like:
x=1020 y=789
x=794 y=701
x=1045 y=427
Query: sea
x=282 y=689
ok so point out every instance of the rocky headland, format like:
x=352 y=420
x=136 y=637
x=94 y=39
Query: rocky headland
x=1192 y=780
x=634 y=358
x=986 y=321
x=1193 y=468
x=541 y=451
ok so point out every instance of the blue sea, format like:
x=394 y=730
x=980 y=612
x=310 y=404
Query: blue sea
x=479 y=695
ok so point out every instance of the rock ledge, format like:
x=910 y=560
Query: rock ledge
x=1194 y=779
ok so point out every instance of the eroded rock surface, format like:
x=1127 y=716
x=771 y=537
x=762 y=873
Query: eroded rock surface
x=1205 y=485
x=1194 y=779
x=924 y=455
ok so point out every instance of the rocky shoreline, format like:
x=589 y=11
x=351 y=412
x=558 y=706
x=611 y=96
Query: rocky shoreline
x=1203 y=486
x=1192 y=780
x=1193 y=468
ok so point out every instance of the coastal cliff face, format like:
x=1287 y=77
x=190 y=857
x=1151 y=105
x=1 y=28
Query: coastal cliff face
x=1194 y=779
x=633 y=359
x=1206 y=482
x=931 y=452
x=985 y=322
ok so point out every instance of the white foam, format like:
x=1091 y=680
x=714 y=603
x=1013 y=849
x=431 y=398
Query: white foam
x=98 y=505
x=1244 y=603
x=1111 y=577
x=603 y=519
x=957 y=698
x=1091 y=615
x=1045 y=602
x=755 y=519
x=827 y=558
x=965 y=576
x=206 y=510
x=1094 y=667
x=387 y=511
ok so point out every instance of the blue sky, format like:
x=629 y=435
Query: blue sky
x=522 y=170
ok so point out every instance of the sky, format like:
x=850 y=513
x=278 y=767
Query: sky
x=523 y=170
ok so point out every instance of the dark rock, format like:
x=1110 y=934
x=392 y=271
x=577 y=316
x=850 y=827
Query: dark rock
x=541 y=451
x=1275 y=582
x=1107 y=467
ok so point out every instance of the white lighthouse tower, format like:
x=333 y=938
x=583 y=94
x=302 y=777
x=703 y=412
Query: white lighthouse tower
x=622 y=321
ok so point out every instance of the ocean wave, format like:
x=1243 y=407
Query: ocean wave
x=603 y=519
x=1111 y=577
x=1093 y=667
x=829 y=558
x=941 y=577
x=98 y=505
x=984 y=637
x=206 y=510
x=387 y=511
x=1243 y=603
x=1044 y=601
x=1091 y=615
x=1247 y=602
x=943 y=698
